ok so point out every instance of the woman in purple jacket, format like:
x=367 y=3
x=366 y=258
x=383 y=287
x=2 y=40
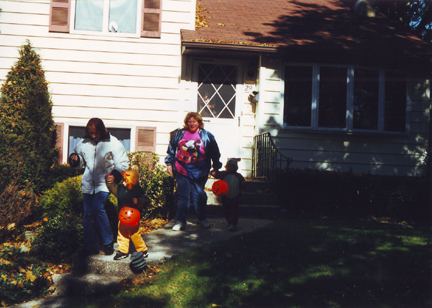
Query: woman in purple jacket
x=191 y=153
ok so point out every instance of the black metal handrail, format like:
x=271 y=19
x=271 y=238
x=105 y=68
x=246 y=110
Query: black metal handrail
x=266 y=158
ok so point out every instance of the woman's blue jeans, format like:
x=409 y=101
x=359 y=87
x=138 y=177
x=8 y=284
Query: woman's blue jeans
x=95 y=219
x=188 y=189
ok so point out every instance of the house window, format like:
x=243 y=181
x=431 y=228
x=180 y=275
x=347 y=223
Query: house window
x=106 y=16
x=345 y=98
x=366 y=99
x=298 y=96
x=76 y=134
x=128 y=17
x=332 y=97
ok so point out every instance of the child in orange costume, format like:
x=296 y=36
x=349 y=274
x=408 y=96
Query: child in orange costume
x=125 y=186
x=231 y=201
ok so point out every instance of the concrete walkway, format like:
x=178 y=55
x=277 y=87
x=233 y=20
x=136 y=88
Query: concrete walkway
x=105 y=273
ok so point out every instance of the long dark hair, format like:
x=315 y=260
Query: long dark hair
x=97 y=124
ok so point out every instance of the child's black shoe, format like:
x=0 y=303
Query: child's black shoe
x=120 y=255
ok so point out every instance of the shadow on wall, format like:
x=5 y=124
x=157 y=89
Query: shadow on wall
x=343 y=152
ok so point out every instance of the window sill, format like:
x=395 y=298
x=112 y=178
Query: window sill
x=113 y=35
x=341 y=132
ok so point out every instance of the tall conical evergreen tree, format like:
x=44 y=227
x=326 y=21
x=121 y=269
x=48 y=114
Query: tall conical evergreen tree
x=28 y=136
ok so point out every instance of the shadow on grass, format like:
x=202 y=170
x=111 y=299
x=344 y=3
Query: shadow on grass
x=123 y=301
x=319 y=264
x=296 y=263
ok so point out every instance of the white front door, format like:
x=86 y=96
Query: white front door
x=218 y=103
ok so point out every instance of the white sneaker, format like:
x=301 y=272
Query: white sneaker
x=179 y=226
x=204 y=223
x=232 y=227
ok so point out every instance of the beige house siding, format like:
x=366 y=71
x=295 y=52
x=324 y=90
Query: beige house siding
x=127 y=81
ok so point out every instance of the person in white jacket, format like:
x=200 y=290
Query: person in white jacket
x=99 y=153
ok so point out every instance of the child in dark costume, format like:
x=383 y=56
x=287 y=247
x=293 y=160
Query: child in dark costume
x=125 y=186
x=231 y=201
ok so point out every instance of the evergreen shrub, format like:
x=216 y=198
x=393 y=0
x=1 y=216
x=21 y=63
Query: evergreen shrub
x=65 y=198
x=61 y=212
x=58 y=238
x=26 y=123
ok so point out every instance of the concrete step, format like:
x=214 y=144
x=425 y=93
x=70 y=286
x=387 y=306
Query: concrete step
x=95 y=274
x=106 y=265
x=85 y=285
x=101 y=265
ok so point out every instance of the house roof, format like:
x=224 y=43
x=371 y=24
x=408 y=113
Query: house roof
x=304 y=30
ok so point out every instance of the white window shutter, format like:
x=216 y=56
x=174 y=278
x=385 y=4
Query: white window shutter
x=59 y=16
x=151 y=18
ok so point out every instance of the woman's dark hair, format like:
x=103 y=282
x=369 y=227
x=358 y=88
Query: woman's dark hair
x=195 y=115
x=97 y=124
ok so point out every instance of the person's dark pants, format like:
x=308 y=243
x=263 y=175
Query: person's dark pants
x=187 y=189
x=95 y=219
x=231 y=209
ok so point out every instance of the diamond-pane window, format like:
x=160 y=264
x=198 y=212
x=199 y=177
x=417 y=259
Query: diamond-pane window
x=217 y=90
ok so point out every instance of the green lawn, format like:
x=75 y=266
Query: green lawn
x=296 y=263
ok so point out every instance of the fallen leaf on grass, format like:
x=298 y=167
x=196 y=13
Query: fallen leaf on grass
x=5 y=262
x=30 y=276
x=150 y=225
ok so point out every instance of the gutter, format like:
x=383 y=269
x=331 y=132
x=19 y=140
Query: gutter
x=228 y=47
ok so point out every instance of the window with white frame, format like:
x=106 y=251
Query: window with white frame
x=106 y=16
x=344 y=98
x=141 y=18
x=118 y=16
